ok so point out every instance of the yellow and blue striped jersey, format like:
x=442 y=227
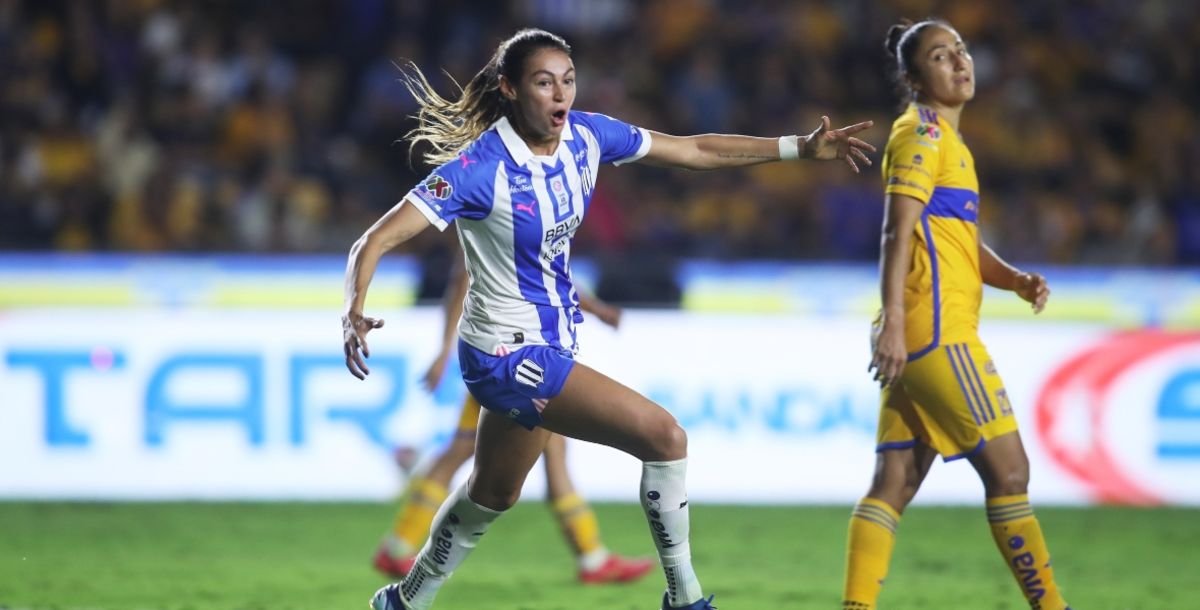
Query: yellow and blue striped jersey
x=926 y=159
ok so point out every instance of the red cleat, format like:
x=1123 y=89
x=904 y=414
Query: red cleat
x=617 y=569
x=392 y=566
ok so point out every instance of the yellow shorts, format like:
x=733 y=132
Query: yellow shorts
x=468 y=420
x=951 y=399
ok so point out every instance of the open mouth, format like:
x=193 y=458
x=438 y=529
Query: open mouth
x=558 y=118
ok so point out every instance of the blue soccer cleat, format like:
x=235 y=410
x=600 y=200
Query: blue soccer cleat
x=388 y=598
x=700 y=604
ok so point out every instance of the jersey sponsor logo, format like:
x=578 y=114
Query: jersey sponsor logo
x=520 y=188
x=529 y=373
x=559 y=190
x=438 y=187
x=897 y=181
x=566 y=227
x=929 y=130
x=912 y=168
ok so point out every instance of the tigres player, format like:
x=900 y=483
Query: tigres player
x=941 y=392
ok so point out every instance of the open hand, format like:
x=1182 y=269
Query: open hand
x=1033 y=288
x=889 y=355
x=826 y=144
x=433 y=375
x=355 y=327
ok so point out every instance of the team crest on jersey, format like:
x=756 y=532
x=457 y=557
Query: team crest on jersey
x=560 y=194
x=438 y=187
x=929 y=130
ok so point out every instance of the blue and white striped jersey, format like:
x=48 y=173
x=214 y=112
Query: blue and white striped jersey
x=516 y=214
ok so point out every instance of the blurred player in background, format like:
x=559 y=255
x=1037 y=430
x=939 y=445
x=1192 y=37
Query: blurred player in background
x=425 y=492
x=518 y=168
x=941 y=391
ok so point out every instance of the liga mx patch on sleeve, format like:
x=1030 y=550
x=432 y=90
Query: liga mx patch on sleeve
x=437 y=187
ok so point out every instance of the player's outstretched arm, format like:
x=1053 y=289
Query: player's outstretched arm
x=997 y=273
x=716 y=151
x=397 y=226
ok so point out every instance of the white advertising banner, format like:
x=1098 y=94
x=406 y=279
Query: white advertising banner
x=255 y=404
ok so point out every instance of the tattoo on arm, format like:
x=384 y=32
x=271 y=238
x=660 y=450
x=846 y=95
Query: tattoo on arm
x=747 y=156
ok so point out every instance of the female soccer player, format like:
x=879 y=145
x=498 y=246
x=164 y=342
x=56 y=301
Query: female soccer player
x=518 y=169
x=425 y=493
x=941 y=392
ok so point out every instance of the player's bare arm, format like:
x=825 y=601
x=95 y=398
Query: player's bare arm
x=900 y=216
x=398 y=225
x=997 y=273
x=716 y=151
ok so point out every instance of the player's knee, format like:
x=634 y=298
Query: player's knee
x=668 y=441
x=494 y=496
x=895 y=490
x=1010 y=481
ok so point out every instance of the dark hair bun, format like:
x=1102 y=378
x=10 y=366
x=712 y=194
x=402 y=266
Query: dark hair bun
x=894 y=34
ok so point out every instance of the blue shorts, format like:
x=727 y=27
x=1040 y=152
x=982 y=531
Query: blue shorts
x=515 y=385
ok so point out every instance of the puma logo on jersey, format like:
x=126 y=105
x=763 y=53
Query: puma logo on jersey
x=529 y=373
x=526 y=207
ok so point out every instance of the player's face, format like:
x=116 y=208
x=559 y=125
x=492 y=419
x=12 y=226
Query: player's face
x=945 y=70
x=545 y=94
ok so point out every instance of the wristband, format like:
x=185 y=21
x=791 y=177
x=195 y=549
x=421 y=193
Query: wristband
x=789 y=148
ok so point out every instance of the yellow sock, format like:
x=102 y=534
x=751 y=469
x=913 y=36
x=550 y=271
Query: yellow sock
x=1020 y=540
x=868 y=552
x=422 y=500
x=578 y=524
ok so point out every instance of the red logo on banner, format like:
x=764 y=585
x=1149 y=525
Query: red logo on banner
x=1086 y=381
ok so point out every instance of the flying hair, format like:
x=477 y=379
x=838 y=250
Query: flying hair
x=450 y=125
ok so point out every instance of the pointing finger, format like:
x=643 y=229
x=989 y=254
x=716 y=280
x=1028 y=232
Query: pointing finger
x=857 y=127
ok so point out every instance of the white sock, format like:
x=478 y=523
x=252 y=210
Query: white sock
x=456 y=529
x=593 y=560
x=664 y=498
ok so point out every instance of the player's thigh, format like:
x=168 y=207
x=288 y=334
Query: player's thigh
x=903 y=455
x=595 y=408
x=505 y=451
x=960 y=398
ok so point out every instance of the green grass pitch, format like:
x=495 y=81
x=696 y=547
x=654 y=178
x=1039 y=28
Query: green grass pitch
x=240 y=556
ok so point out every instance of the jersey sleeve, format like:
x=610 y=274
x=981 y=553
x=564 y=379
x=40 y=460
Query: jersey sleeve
x=455 y=189
x=619 y=142
x=913 y=156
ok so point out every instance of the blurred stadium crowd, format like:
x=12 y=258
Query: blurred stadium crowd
x=268 y=126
